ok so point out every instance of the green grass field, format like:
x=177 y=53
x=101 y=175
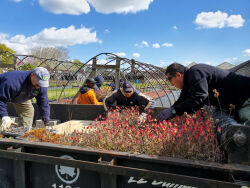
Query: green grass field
x=67 y=93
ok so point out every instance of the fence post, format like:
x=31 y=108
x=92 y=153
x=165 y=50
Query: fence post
x=117 y=73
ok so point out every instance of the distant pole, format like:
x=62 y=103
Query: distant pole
x=117 y=73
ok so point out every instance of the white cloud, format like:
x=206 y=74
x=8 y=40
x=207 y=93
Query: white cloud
x=163 y=63
x=235 y=21
x=121 y=54
x=156 y=45
x=17 y=1
x=78 y=7
x=231 y=60
x=75 y=7
x=120 y=6
x=246 y=52
x=136 y=55
x=167 y=44
x=3 y=36
x=218 y=20
x=142 y=44
x=50 y=37
x=102 y=61
x=175 y=27
x=106 y=31
x=145 y=43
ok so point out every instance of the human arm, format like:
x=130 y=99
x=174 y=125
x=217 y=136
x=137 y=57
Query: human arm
x=6 y=94
x=165 y=114
x=43 y=105
x=145 y=102
x=109 y=100
x=194 y=94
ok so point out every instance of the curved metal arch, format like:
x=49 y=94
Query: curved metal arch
x=162 y=86
x=154 y=76
x=138 y=64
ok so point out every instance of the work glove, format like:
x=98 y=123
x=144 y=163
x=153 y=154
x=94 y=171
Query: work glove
x=165 y=114
x=142 y=117
x=6 y=123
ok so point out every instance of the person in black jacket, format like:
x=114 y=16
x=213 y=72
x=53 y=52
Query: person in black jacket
x=199 y=85
x=127 y=96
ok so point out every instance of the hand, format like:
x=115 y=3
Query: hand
x=6 y=123
x=165 y=114
x=142 y=117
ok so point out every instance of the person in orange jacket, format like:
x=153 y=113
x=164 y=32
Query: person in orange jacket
x=87 y=94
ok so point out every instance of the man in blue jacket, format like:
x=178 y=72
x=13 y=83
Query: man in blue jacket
x=19 y=87
x=207 y=85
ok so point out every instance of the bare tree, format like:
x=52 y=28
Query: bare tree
x=53 y=53
x=59 y=53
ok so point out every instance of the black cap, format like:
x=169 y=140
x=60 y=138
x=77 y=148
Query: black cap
x=90 y=80
x=127 y=87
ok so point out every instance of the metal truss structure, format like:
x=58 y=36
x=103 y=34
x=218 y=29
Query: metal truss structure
x=65 y=75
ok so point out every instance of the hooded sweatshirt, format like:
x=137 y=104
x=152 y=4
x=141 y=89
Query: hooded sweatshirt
x=87 y=96
x=99 y=81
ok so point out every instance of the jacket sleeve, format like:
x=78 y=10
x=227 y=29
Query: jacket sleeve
x=43 y=104
x=3 y=107
x=92 y=97
x=192 y=98
x=6 y=94
x=145 y=102
x=109 y=100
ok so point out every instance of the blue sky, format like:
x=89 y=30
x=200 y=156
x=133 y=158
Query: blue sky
x=154 y=31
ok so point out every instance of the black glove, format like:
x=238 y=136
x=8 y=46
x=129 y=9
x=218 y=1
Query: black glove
x=165 y=114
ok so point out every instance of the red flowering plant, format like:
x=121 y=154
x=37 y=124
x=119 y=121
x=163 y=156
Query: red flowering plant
x=188 y=136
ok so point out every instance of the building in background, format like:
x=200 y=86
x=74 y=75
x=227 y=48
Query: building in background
x=243 y=68
x=226 y=66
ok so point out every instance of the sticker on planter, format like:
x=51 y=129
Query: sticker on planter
x=155 y=183
x=67 y=174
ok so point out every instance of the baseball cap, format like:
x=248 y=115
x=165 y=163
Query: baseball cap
x=42 y=76
x=127 y=87
x=90 y=80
